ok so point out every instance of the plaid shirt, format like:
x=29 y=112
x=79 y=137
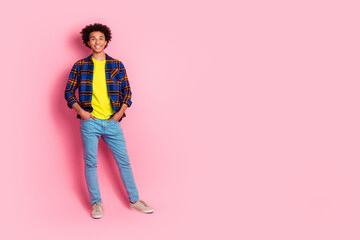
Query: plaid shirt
x=81 y=76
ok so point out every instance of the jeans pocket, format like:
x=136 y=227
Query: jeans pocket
x=84 y=122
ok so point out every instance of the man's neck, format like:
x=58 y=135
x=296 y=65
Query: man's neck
x=99 y=56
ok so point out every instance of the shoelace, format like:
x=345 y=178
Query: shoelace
x=144 y=203
x=97 y=207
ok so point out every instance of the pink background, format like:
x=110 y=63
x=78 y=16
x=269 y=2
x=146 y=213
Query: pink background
x=244 y=123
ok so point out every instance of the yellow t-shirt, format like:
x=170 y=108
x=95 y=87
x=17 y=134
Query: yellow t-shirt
x=102 y=107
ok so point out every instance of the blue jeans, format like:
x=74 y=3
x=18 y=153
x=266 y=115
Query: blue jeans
x=91 y=131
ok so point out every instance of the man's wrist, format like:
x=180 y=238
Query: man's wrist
x=119 y=114
x=81 y=111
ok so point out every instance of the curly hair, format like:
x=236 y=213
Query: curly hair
x=85 y=32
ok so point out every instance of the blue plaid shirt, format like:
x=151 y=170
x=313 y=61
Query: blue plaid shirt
x=81 y=77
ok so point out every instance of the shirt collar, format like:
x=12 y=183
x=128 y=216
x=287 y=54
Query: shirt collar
x=107 y=57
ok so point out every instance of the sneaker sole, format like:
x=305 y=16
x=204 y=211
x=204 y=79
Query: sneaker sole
x=147 y=212
x=96 y=217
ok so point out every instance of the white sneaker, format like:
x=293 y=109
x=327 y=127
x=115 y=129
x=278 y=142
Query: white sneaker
x=141 y=206
x=97 y=211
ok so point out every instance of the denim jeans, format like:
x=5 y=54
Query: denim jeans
x=91 y=131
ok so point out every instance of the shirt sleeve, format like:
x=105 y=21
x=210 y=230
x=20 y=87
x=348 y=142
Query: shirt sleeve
x=71 y=86
x=125 y=86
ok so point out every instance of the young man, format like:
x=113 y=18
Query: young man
x=104 y=95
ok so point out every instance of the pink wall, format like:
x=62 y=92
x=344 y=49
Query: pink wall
x=244 y=123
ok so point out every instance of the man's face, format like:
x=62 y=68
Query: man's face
x=97 y=41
